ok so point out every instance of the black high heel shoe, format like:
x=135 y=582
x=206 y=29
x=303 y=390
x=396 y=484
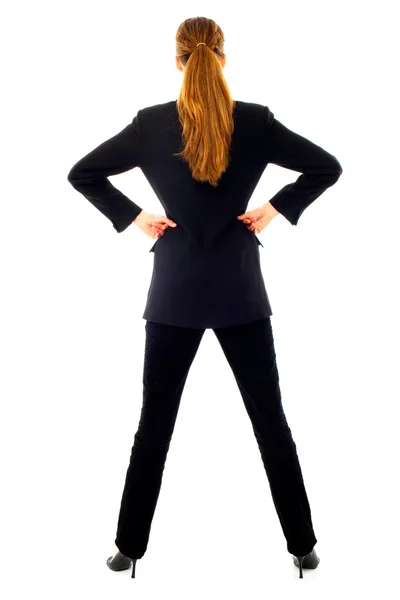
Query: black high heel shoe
x=308 y=561
x=133 y=567
x=120 y=562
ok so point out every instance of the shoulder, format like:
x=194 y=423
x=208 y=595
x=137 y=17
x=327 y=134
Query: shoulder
x=158 y=109
x=262 y=112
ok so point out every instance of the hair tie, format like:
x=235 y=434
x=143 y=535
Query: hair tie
x=201 y=43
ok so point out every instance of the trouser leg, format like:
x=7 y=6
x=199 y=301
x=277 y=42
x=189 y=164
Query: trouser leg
x=169 y=353
x=249 y=349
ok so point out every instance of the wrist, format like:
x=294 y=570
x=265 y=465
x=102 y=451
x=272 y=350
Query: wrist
x=138 y=217
x=270 y=210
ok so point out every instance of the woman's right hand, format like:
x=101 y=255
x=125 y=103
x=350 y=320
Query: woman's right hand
x=257 y=219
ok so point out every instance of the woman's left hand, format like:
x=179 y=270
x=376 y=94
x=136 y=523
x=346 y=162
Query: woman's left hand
x=153 y=225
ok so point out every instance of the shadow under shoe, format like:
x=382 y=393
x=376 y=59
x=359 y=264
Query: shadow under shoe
x=119 y=562
x=309 y=561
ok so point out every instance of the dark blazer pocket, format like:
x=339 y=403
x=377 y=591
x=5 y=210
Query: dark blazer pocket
x=254 y=235
x=153 y=246
x=166 y=232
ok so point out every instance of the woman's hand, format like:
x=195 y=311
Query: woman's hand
x=256 y=220
x=153 y=225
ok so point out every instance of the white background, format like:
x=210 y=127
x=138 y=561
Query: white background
x=73 y=293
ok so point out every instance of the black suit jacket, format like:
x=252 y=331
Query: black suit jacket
x=206 y=270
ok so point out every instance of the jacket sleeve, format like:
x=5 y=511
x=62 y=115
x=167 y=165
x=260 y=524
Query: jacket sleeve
x=319 y=168
x=118 y=154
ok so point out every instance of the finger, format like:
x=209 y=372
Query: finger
x=169 y=222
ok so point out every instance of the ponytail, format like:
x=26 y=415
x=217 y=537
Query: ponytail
x=205 y=105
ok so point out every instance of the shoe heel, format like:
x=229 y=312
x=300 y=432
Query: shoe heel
x=300 y=559
x=133 y=567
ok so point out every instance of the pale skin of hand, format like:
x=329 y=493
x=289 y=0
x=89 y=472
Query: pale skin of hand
x=255 y=220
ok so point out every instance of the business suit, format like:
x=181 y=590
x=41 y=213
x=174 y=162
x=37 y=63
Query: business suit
x=207 y=274
x=206 y=271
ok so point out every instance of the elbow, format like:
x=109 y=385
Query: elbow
x=71 y=177
x=335 y=171
x=75 y=176
x=337 y=168
x=335 y=176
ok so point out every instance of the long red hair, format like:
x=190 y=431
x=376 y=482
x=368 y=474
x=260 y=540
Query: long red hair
x=204 y=104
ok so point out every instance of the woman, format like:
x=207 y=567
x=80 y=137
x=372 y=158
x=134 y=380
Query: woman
x=203 y=155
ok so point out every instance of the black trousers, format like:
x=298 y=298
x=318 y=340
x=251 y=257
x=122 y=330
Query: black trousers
x=169 y=353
